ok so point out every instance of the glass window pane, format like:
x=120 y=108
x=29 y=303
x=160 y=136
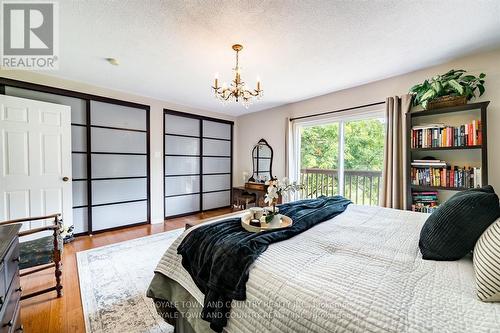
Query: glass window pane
x=112 y=166
x=78 y=138
x=79 y=165
x=79 y=192
x=116 y=190
x=216 y=165
x=180 y=145
x=181 y=165
x=181 y=125
x=319 y=157
x=182 y=185
x=216 y=200
x=182 y=205
x=213 y=129
x=80 y=220
x=363 y=160
x=216 y=182
x=114 y=115
x=112 y=216
x=118 y=141
x=216 y=147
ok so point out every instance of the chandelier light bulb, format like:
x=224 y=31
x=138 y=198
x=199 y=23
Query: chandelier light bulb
x=216 y=81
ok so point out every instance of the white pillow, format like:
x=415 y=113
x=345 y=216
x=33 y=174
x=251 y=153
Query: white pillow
x=487 y=264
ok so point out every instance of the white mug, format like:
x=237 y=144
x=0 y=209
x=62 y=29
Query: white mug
x=257 y=212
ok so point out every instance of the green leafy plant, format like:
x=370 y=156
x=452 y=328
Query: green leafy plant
x=452 y=83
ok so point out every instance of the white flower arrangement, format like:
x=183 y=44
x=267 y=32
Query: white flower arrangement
x=277 y=188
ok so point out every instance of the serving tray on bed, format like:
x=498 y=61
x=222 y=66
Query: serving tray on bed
x=286 y=222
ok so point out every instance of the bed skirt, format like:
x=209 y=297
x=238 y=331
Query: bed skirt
x=177 y=306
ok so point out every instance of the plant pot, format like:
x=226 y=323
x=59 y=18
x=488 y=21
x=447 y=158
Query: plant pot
x=446 y=101
x=276 y=221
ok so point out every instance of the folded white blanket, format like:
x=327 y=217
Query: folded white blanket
x=359 y=272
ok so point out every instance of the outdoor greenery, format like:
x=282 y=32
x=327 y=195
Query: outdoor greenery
x=452 y=83
x=363 y=151
x=364 y=145
x=320 y=146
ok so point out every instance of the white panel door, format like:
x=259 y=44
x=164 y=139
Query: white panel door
x=35 y=153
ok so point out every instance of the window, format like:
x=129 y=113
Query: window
x=343 y=156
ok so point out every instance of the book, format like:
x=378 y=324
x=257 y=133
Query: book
x=428 y=163
x=424 y=201
x=425 y=126
x=445 y=176
x=440 y=135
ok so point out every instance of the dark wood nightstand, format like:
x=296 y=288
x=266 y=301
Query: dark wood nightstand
x=10 y=289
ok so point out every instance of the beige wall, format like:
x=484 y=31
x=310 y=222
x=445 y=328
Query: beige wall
x=270 y=124
x=156 y=114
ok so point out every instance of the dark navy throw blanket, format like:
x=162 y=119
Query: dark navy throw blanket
x=218 y=255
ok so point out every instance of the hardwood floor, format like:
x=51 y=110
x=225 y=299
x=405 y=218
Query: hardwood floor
x=47 y=313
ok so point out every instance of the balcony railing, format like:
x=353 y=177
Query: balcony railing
x=362 y=187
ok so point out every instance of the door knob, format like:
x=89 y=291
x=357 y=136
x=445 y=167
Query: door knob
x=65 y=179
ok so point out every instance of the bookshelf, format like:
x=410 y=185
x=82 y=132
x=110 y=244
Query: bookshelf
x=470 y=157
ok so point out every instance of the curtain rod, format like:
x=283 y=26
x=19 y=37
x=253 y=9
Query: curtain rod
x=341 y=110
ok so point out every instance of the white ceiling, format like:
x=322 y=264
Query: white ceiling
x=170 y=50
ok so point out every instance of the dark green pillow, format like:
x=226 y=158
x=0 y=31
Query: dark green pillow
x=452 y=230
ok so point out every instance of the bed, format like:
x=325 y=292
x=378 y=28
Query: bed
x=359 y=272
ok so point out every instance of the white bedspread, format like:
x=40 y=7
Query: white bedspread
x=359 y=272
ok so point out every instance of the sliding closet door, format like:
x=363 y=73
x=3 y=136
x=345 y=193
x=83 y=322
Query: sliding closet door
x=110 y=156
x=217 y=166
x=182 y=165
x=198 y=164
x=78 y=144
x=119 y=165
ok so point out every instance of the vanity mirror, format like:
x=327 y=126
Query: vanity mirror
x=262 y=160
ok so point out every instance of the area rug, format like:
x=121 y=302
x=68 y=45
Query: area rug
x=113 y=284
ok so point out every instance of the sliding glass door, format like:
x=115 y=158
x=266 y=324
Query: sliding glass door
x=342 y=156
x=363 y=160
x=319 y=159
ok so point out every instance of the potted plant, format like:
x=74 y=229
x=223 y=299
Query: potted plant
x=275 y=189
x=450 y=89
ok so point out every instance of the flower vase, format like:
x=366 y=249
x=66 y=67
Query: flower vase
x=276 y=221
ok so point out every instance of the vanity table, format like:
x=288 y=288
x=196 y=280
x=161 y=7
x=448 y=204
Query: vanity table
x=255 y=190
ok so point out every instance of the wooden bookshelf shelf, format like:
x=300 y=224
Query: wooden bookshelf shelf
x=415 y=118
x=447 y=148
x=466 y=107
x=436 y=188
